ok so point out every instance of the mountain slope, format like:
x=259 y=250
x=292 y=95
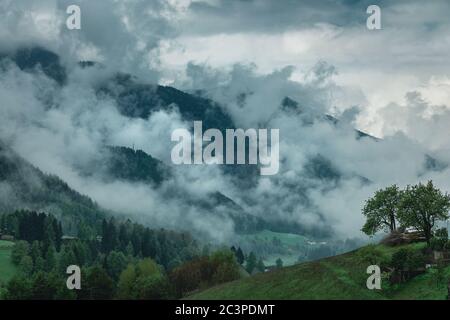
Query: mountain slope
x=136 y=99
x=23 y=186
x=339 y=277
x=123 y=163
x=29 y=59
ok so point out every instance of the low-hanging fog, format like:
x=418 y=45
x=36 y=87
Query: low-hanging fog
x=61 y=129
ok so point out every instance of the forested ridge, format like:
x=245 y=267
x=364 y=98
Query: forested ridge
x=125 y=261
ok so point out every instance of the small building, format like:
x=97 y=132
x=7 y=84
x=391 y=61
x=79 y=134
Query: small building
x=66 y=239
x=6 y=237
x=270 y=268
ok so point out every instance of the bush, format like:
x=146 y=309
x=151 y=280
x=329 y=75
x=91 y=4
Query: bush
x=373 y=255
x=18 y=288
x=20 y=249
x=143 y=280
x=440 y=240
x=407 y=260
x=97 y=285
x=155 y=287
x=399 y=259
x=416 y=260
x=204 y=272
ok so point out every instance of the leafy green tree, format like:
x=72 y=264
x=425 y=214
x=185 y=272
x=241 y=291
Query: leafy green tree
x=57 y=226
x=251 y=262
x=35 y=250
x=50 y=258
x=440 y=239
x=80 y=252
x=126 y=283
x=154 y=287
x=97 y=285
x=49 y=232
x=45 y=286
x=39 y=264
x=407 y=260
x=399 y=259
x=381 y=210
x=279 y=263
x=116 y=262
x=19 y=250
x=191 y=275
x=65 y=294
x=260 y=265
x=148 y=267
x=416 y=260
x=19 y=288
x=225 y=266
x=225 y=272
x=240 y=256
x=85 y=232
x=422 y=206
x=109 y=235
x=26 y=266
x=144 y=280
x=129 y=250
x=67 y=258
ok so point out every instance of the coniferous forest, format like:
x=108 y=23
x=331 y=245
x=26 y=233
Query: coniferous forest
x=124 y=260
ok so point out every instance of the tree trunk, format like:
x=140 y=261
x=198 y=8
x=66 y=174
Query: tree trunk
x=392 y=225
x=427 y=233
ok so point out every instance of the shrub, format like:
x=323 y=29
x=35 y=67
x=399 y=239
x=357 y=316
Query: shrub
x=407 y=259
x=204 y=272
x=371 y=254
x=440 y=240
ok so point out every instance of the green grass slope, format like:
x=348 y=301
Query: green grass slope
x=7 y=269
x=338 y=277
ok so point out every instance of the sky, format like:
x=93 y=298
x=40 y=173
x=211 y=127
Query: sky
x=392 y=83
x=157 y=39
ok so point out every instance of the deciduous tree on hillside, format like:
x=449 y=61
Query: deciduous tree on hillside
x=422 y=206
x=381 y=210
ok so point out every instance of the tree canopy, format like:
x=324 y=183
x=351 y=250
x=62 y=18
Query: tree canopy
x=382 y=210
x=418 y=206
x=422 y=206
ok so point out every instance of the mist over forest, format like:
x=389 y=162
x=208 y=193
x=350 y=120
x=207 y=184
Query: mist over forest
x=96 y=108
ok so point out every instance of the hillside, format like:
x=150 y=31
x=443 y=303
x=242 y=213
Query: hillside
x=338 y=277
x=122 y=163
x=26 y=187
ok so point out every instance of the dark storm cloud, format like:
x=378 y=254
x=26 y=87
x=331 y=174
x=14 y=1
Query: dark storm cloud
x=286 y=39
x=123 y=34
x=275 y=16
